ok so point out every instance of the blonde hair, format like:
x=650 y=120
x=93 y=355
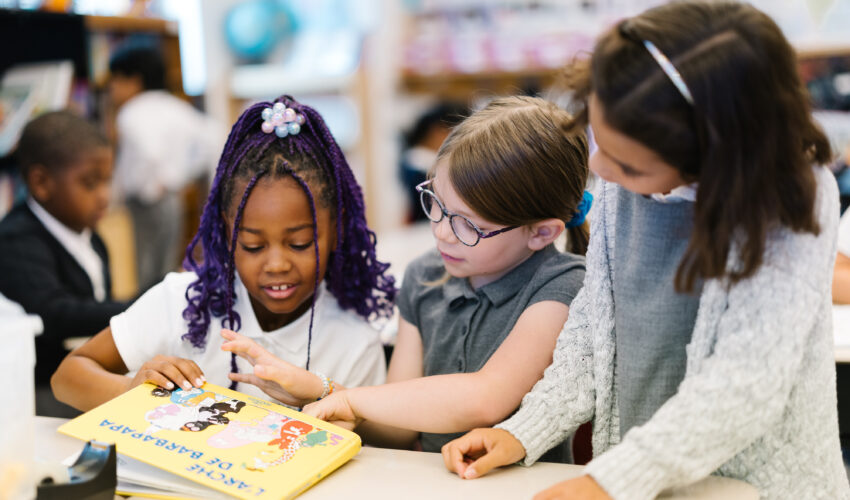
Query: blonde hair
x=513 y=164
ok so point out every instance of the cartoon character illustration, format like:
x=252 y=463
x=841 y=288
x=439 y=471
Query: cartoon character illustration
x=291 y=434
x=318 y=438
x=195 y=410
x=163 y=411
x=191 y=418
x=191 y=397
x=243 y=432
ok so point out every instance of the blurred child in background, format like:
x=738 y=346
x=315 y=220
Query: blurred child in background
x=421 y=145
x=164 y=144
x=52 y=262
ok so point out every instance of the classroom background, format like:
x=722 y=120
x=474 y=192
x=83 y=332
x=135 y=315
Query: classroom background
x=389 y=76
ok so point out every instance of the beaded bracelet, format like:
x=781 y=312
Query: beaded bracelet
x=327 y=386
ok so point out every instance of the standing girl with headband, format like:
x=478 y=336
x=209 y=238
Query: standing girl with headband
x=287 y=260
x=480 y=313
x=701 y=342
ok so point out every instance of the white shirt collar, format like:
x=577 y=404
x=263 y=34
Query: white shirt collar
x=77 y=244
x=685 y=192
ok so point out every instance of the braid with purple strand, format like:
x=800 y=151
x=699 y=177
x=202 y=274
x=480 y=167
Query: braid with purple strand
x=354 y=276
x=354 y=266
x=232 y=320
x=316 y=250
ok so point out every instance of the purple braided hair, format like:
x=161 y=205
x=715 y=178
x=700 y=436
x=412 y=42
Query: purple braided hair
x=354 y=276
x=232 y=319
x=316 y=250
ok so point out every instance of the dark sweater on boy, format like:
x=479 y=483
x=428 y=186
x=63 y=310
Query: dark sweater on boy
x=37 y=272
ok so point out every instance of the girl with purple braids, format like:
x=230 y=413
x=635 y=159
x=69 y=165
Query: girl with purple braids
x=287 y=260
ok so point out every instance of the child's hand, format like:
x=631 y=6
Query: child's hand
x=475 y=453
x=580 y=488
x=335 y=409
x=169 y=372
x=281 y=380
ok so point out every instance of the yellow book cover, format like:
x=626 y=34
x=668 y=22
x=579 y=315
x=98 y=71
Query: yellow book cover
x=237 y=444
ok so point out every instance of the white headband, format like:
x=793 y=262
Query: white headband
x=670 y=71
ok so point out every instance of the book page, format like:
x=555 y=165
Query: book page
x=239 y=445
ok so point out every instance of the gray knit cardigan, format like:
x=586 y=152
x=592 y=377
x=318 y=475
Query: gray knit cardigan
x=758 y=399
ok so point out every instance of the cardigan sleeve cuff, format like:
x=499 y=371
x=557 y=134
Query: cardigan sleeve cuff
x=534 y=429
x=626 y=473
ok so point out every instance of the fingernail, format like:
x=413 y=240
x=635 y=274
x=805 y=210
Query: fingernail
x=169 y=386
x=199 y=382
x=187 y=385
x=470 y=473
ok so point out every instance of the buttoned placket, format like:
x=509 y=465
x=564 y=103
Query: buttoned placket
x=470 y=306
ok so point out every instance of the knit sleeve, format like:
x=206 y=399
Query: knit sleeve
x=554 y=409
x=565 y=397
x=742 y=387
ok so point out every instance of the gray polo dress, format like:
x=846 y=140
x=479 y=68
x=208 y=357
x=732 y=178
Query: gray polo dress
x=462 y=327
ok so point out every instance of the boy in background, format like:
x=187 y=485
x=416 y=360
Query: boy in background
x=52 y=262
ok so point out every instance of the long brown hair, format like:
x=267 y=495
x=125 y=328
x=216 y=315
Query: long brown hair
x=514 y=164
x=749 y=139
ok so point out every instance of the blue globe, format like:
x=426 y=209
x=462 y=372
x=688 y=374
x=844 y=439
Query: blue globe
x=253 y=28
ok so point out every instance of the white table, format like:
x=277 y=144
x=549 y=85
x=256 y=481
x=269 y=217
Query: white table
x=379 y=474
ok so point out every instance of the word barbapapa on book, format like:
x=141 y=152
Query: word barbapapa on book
x=234 y=443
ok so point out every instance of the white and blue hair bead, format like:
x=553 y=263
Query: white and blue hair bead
x=281 y=120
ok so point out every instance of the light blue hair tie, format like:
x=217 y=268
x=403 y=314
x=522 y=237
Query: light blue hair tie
x=581 y=210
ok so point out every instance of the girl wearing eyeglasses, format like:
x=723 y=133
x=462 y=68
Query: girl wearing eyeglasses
x=701 y=342
x=480 y=313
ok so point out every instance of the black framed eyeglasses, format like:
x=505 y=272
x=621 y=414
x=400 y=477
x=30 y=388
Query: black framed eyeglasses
x=466 y=231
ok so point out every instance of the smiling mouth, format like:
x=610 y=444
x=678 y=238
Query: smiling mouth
x=449 y=258
x=279 y=291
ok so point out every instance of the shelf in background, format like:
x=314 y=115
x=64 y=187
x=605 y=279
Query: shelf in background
x=817 y=49
x=131 y=24
x=463 y=84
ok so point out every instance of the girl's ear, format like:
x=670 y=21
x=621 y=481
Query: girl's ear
x=544 y=232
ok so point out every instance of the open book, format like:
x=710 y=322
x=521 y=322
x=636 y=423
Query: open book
x=193 y=444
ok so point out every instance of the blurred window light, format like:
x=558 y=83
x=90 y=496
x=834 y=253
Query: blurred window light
x=193 y=66
x=29 y=4
x=102 y=7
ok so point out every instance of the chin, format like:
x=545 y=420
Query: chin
x=289 y=306
x=455 y=270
